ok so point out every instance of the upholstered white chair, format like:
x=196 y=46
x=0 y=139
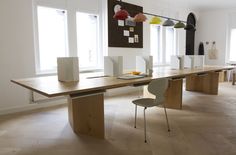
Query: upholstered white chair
x=158 y=88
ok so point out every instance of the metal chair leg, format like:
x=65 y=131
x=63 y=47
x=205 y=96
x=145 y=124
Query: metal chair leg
x=135 y=116
x=145 y=125
x=168 y=126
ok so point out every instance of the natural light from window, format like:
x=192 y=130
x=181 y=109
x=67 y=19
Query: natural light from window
x=52 y=37
x=169 y=44
x=232 y=55
x=87 y=40
x=162 y=40
x=155 y=44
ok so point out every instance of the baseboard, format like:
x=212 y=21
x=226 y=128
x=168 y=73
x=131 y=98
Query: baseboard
x=16 y=109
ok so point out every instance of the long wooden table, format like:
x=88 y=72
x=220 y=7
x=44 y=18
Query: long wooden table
x=86 y=97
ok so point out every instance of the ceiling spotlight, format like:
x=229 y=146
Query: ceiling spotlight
x=121 y=14
x=179 y=25
x=155 y=20
x=168 y=22
x=140 y=18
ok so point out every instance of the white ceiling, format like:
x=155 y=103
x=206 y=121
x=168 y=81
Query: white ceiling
x=206 y=4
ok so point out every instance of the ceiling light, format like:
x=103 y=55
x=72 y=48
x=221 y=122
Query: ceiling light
x=121 y=14
x=168 y=22
x=179 y=25
x=140 y=18
x=155 y=20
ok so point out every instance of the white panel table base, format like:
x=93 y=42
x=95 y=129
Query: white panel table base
x=86 y=114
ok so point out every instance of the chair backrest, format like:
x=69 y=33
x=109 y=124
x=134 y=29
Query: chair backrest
x=158 y=88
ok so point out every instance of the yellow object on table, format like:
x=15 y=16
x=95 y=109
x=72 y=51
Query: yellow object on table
x=135 y=73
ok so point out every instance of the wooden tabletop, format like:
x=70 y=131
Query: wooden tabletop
x=51 y=87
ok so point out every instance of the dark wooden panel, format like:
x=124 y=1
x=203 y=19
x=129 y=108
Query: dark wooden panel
x=116 y=36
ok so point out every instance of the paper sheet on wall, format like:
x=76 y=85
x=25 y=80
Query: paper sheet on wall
x=213 y=52
x=126 y=33
x=136 y=40
x=121 y=23
x=131 y=40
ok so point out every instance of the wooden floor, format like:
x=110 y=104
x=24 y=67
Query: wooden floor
x=205 y=126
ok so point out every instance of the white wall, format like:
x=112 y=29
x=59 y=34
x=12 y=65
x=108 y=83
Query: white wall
x=17 y=58
x=212 y=26
x=16 y=50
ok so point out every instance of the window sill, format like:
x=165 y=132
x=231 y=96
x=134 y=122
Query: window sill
x=54 y=73
x=231 y=63
x=166 y=65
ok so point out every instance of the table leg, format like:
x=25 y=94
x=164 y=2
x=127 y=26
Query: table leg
x=212 y=83
x=86 y=114
x=223 y=76
x=206 y=83
x=196 y=82
x=174 y=94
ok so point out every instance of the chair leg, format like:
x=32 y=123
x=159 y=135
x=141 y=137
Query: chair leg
x=135 y=116
x=145 y=125
x=168 y=126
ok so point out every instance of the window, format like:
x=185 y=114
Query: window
x=169 y=42
x=232 y=50
x=88 y=41
x=163 y=44
x=231 y=38
x=52 y=38
x=156 y=44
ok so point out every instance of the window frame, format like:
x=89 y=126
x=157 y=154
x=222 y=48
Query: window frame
x=99 y=47
x=229 y=46
x=174 y=52
x=162 y=44
x=230 y=25
x=36 y=40
x=159 y=36
x=71 y=44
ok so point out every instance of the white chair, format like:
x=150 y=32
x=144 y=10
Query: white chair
x=158 y=88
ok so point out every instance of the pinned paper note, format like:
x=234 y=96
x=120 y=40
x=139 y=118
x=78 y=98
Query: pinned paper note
x=121 y=23
x=131 y=40
x=126 y=33
x=130 y=22
x=136 y=40
x=131 y=29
